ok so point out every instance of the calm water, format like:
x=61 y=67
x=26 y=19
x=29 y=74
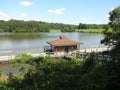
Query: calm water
x=13 y=41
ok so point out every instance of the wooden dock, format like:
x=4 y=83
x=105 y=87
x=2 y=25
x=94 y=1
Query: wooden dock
x=6 y=56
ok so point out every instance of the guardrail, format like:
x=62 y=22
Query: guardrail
x=89 y=50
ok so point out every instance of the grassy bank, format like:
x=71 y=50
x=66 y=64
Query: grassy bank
x=90 y=30
x=53 y=30
x=83 y=30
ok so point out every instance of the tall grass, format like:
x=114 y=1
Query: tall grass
x=90 y=30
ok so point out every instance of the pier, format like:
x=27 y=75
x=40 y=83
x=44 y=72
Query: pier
x=6 y=56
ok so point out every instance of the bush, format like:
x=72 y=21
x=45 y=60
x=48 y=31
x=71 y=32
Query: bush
x=22 y=58
x=59 y=74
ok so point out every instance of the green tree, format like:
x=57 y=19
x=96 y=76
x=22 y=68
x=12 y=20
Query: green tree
x=112 y=37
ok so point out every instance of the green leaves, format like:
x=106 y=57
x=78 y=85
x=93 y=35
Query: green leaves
x=21 y=26
x=22 y=58
x=112 y=37
x=48 y=73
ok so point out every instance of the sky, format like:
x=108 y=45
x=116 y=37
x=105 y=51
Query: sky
x=58 y=11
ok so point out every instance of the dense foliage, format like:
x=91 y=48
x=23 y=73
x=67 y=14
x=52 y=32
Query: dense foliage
x=47 y=73
x=92 y=26
x=18 y=26
x=112 y=36
x=33 y=26
x=112 y=39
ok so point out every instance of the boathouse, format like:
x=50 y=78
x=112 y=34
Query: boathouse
x=63 y=44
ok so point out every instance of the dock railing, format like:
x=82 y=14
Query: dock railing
x=98 y=49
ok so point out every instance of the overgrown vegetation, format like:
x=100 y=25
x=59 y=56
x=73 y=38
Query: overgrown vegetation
x=46 y=73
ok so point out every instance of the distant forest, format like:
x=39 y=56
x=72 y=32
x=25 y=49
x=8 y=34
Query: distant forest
x=92 y=26
x=17 y=26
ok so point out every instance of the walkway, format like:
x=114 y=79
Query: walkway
x=6 y=56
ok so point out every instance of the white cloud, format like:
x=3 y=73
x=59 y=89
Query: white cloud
x=24 y=15
x=19 y=18
x=57 y=11
x=4 y=16
x=26 y=3
x=112 y=8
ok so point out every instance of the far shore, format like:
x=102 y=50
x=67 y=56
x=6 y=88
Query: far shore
x=76 y=30
x=84 y=30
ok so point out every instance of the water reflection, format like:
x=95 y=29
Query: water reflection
x=13 y=41
x=21 y=36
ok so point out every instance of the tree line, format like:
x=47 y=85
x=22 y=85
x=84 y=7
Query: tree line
x=17 y=26
x=92 y=26
x=33 y=26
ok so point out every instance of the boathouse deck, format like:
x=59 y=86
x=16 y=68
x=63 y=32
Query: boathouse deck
x=6 y=56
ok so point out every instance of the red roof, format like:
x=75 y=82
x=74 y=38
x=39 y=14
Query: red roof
x=63 y=41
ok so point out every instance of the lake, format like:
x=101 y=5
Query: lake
x=22 y=41
x=18 y=41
